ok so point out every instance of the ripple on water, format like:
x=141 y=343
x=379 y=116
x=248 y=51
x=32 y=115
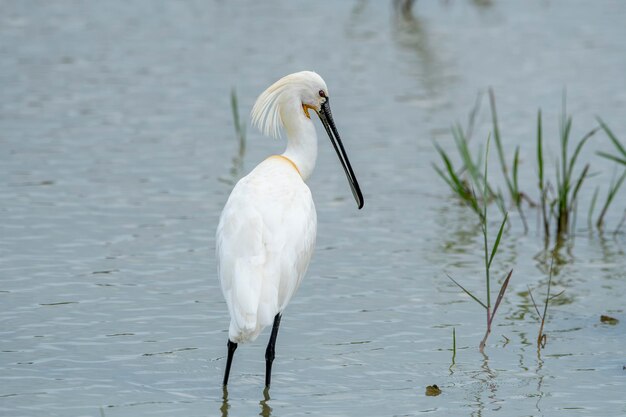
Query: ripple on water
x=118 y=145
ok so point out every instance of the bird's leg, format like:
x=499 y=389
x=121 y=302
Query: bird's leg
x=269 y=352
x=231 y=352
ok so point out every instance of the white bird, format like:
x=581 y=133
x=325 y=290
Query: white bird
x=266 y=233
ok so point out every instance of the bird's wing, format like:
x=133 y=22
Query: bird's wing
x=265 y=240
x=289 y=241
x=240 y=254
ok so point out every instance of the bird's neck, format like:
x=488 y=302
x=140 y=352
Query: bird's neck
x=301 y=140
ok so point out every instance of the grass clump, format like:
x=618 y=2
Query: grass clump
x=489 y=255
x=567 y=185
x=558 y=195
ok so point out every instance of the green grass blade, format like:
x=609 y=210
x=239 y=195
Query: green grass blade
x=516 y=197
x=579 y=147
x=559 y=183
x=461 y=144
x=534 y=303
x=472 y=116
x=612 y=136
x=444 y=177
x=540 y=166
x=479 y=156
x=485 y=179
x=468 y=293
x=450 y=168
x=233 y=106
x=552 y=297
x=545 y=307
x=540 y=149
x=612 y=157
x=579 y=183
x=617 y=185
x=497 y=242
x=565 y=144
x=592 y=206
x=455 y=183
x=240 y=128
x=472 y=201
x=497 y=138
x=484 y=226
x=614 y=187
x=469 y=165
x=499 y=198
x=565 y=131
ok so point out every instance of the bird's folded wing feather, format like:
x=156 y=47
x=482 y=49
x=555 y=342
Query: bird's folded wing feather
x=265 y=240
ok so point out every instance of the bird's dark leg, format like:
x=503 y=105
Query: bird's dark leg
x=269 y=352
x=231 y=352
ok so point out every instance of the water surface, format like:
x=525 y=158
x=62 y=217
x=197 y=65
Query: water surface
x=116 y=158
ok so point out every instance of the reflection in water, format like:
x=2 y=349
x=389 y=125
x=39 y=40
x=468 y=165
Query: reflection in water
x=358 y=26
x=562 y=253
x=554 y=258
x=358 y=9
x=620 y=224
x=411 y=33
x=486 y=378
x=482 y=3
x=403 y=6
x=611 y=252
x=266 y=410
x=540 y=377
x=225 y=406
x=478 y=3
x=453 y=351
x=463 y=237
x=538 y=369
x=490 y=381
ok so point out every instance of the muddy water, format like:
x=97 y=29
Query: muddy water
x=117 y=154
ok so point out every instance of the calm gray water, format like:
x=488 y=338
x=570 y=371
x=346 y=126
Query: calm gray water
x=116 y=147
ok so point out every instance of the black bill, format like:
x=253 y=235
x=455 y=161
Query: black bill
x=329 y=124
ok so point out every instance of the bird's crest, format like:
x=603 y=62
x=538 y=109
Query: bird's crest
x=266 y=111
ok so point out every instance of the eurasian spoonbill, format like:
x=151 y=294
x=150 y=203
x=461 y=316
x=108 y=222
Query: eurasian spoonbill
x=266 y=233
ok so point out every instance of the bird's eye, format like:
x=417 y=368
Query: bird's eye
x=322 y=94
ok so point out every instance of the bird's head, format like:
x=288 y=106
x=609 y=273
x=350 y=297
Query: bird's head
x=308 y=91
x=304 y=89
x=311 y=91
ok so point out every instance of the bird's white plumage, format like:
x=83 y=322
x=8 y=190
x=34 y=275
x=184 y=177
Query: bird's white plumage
x=266 y=233
x=265 y=239
x=270 y=111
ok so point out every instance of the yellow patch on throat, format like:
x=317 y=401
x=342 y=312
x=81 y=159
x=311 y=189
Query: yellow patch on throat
x=306 y=108
x=284 y=158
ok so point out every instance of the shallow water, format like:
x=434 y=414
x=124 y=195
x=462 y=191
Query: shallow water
x=117 y=154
